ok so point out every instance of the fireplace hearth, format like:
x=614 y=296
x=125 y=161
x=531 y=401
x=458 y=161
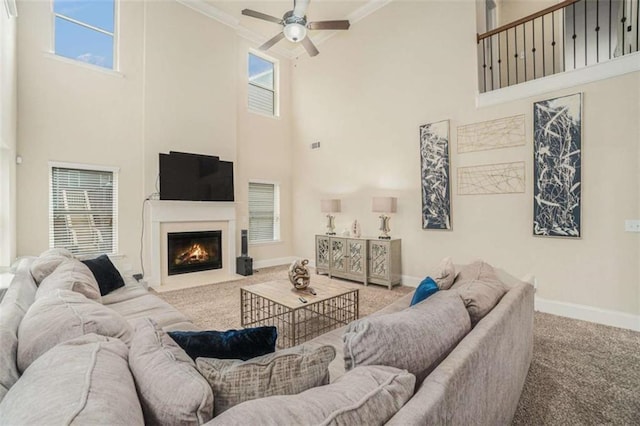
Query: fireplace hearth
x=193 y=251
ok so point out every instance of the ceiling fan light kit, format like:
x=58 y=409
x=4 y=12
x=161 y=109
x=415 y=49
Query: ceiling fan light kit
x=294 y=26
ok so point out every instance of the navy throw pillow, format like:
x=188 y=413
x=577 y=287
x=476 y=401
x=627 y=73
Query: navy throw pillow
x=106 y=274
x=426 y=288
x=232 y=344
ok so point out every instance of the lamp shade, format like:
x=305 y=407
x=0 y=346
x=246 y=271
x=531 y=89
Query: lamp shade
x=384 y=205
x=330 y=206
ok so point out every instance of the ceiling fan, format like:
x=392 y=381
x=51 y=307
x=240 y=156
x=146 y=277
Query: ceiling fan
x=294 y=26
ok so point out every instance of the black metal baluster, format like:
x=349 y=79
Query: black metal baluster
x=508 y=72
x=484 y=65
x=564 y=40
x=491 y=61
x=524 y=48
x=574 y=35
x=623 y=20
x=544 y=71
x=533 y=50
x=553 y=41
x=500 y=64
x=637 y=24
x=610 y=28
x=586 y=49
x=597 y=31
x=515 y=42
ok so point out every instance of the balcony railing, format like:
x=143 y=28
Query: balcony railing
x=570 y=35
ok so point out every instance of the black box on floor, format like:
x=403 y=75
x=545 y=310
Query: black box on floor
x=244 y=265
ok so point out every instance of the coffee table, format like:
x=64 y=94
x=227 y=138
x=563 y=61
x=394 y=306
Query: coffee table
x=278 y=304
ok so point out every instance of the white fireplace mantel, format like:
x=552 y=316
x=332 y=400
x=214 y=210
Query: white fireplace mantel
x=166 y=212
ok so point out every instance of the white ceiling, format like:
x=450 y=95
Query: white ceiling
x=260 y=31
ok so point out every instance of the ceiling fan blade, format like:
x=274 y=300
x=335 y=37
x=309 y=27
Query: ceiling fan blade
x=263 y=16
x=309 y=46
x=272 y=41
x=300 y=7
x=329 y=25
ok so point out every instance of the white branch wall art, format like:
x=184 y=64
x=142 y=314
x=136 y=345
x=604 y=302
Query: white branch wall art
x=557 y=163
x=494 y=134
x=506 y=178
x=435 y=171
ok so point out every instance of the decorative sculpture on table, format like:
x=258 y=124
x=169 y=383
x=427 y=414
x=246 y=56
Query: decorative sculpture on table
x=299 y=274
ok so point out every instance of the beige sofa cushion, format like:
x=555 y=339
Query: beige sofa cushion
x=426 y=332
x=285 y=372
x=364 y=396
x=47 y=262
x=161 y=368
x=14 y=305
x=71 y=275
x=83 y=381
x=480 y=288
x=63 y=315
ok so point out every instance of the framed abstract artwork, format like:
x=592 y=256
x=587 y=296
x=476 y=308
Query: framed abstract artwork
x=435 y=175
x=557 y=166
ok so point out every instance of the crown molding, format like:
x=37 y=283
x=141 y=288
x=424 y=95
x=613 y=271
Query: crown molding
x=229 y=20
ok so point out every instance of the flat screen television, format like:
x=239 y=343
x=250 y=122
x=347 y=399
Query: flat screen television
x=194 y=177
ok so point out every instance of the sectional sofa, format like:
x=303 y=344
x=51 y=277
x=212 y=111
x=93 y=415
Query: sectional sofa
x=426 y=364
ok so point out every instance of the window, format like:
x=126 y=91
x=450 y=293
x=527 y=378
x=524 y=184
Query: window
x=262 y=85
x=83 y=209
x=85 y=31
x=264 y=212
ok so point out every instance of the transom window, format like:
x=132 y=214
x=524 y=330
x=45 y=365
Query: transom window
x=264 y=212
x=85 y=31
x=262 y=85
x=83 y=210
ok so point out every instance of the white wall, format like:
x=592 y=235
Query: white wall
x=179 y=87
x=8 y=122
x=366 y=95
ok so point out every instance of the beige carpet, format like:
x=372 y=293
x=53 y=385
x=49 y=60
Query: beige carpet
x=581 y=373
x=217 y=306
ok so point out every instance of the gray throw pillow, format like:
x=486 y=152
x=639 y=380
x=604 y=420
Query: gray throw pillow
x=83 y=381
x=480 y=288
x=286 y=372
x=426 y=332
x=64 y=315
x=364 y=396
x=446 y=274
x=47 y=262
x=71 y=275
x=160 y=367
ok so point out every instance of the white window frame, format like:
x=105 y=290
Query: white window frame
x=276 y=83
x=116 y=31
x=114 y=207
x=276 y=211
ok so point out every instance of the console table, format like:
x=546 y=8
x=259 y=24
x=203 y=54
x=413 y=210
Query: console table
x=369 y=260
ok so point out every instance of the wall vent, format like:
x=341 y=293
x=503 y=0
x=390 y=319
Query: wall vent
x=315 y=145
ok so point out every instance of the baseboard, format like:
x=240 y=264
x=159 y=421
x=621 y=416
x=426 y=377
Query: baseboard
x=265 y=263
x=589 y=313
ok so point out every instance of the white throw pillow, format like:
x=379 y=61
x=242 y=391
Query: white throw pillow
x=446 y=274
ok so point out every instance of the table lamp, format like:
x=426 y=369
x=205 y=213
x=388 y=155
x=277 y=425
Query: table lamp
x=330 y=206
x=384 y=205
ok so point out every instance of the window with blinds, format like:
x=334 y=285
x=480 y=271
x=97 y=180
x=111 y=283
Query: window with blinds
x=83 y=209
x=264 y=212
x=262 y=85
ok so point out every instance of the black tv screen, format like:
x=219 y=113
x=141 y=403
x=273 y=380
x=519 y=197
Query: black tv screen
x=194 y=177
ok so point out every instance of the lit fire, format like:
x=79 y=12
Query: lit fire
x=194 y=254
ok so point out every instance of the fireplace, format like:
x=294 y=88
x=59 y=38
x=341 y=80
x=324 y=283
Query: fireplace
x=193 y=251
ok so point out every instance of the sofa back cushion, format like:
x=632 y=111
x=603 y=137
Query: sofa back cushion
x=82 y=381
x=480 y=289
x=63 y=315
x=15 y=303
x=364 y=396
x=426 y=332
x=72 y=275
x=161 y=368
x=47 y=262
x=285 y=372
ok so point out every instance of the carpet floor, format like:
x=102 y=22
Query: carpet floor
x=581 y=373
